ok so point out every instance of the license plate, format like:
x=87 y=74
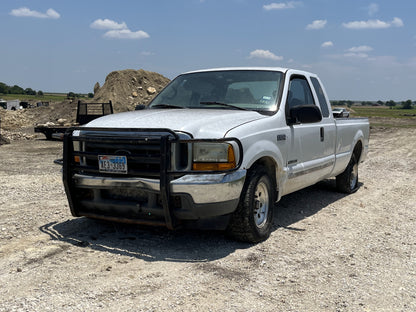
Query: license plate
x=113 y=164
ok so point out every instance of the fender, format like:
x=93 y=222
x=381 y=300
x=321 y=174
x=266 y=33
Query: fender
x=264 y=149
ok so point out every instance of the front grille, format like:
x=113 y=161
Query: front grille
x=147 y=154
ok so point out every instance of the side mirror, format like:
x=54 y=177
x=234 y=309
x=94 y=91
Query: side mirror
x=305 y=114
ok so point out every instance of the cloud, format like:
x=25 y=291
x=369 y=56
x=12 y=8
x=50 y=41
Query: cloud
x=117 y=30
x=374 y=24
x=26 y=12
x=281 y=5
x=359 y=49
x=356 y=55
x=107 y=24
x=265 y=54
x=126 y=34
x=359 y=52
x=318 y=24
x=397 y=22
x=327 y=44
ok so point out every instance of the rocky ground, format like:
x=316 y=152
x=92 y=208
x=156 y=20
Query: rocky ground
x=327 y=252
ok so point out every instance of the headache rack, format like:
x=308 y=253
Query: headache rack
x=149 y=156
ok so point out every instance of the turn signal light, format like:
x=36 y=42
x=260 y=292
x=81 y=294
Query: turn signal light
x=217 y=166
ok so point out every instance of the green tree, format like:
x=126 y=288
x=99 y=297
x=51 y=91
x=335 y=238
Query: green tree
x=40 y=93
x=90 y=95
x=16 y=90
x=30 y=91
x=391 y=103
x=4 y=88
x=407 y=104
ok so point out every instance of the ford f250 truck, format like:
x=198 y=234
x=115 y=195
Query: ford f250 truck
x=218 y=147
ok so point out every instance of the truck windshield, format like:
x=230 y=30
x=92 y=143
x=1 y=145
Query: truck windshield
x=256 y=90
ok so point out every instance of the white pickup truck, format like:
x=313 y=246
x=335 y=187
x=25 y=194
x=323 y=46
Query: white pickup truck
x=216 y=147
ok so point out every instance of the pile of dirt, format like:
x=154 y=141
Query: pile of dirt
x=128 y=88
x=125 y=88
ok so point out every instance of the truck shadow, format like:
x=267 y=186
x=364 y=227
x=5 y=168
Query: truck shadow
x=304 y=203
x=160 y=244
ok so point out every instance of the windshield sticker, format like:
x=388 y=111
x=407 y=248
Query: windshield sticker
x=265 y=100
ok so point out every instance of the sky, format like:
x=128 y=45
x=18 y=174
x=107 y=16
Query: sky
x=361 y=50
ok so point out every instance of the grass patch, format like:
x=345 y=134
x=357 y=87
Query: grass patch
x=46 y=97
x=385 y=117
x=381 y=111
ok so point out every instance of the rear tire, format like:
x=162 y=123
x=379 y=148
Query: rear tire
x=252 y=221
x=347 y=182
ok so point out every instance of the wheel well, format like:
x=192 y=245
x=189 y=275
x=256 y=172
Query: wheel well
x=358 y=148
x=270 y=166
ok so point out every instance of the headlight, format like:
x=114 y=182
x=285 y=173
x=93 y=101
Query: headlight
x=77 y=148
x=213 y=156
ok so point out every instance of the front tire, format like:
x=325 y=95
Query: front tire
x=347 y=182
x=252 y=221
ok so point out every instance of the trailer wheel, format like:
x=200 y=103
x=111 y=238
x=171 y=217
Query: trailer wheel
x=347 y=182
x=252 y=220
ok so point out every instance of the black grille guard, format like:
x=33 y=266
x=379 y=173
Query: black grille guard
x=163 y=138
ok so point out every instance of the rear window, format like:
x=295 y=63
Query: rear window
x=321 y=97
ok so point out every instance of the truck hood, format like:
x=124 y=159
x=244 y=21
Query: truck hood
x=200 y=123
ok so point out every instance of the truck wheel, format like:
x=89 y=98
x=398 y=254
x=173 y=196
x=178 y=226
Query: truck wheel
x=252 y=221
x=347 y=182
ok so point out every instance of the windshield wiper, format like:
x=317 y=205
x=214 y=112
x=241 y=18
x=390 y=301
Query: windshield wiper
x=165 y=106
x=222 y=104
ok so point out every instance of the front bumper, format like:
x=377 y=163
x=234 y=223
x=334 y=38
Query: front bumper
x=192 y=197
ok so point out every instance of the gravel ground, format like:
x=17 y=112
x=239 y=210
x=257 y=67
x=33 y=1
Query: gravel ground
x=328 y=251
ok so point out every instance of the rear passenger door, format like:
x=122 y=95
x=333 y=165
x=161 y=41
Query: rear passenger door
x=307 y=158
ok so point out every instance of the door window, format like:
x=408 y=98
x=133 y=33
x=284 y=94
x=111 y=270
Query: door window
x=299 y=93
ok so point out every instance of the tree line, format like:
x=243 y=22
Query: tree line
x=401 y=104
x=5 y=89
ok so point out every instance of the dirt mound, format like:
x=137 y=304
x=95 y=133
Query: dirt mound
x=128 y=88
x=125 y=88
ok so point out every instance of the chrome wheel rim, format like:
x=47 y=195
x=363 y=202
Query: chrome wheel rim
x=261 y=205
x=354 y=176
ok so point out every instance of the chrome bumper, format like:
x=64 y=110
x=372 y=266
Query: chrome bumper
x=204 y=189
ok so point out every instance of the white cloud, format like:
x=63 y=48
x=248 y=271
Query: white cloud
x=318 y=24
x=117 y=30
x=26 y=12
x=397 y=22
x=126 y=34
x=372 y=9
x=327 y=44
x=374 y=24
x=359 y=49
x=265 y=54
x=356 y=55
x=107 y=24
x=281 y=5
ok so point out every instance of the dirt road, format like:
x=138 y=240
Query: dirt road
x=328 y=251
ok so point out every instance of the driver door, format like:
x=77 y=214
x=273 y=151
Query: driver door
x=306 y=163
